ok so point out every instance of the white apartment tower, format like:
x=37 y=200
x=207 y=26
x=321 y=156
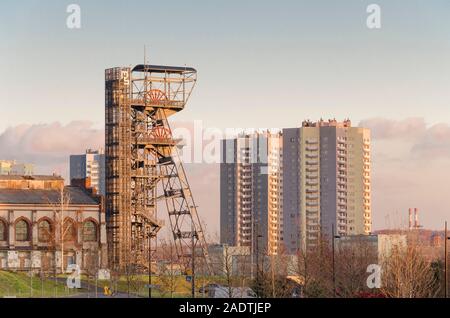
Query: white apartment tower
x=313 y=178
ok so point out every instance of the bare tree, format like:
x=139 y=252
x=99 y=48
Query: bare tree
x=408 y=274
x=351 y=266
x=168 y=273
x=315 y=270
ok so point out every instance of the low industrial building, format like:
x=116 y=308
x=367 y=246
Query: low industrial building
x=230 y=260
x=45 y=225
x=382 y=245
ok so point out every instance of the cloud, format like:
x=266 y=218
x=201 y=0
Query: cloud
x=382 y=128
x=48 y=146
x=409 y=162
x=425 y=142
x=435 y=143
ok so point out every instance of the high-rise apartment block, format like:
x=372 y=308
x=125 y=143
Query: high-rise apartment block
x=251 y=191
x=89 y=165
x=289 y=189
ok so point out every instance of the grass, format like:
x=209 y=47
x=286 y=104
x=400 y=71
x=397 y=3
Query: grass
x=182 y=288
x=21 y=285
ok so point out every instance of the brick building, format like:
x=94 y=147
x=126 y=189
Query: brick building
x=31 y=212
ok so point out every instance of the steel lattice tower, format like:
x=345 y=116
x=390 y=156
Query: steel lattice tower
x=142 y=163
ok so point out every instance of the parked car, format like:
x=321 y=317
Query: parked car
x=236 y=292
x=205 y=289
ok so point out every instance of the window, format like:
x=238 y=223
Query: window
x=2 y=231
x=89 y=231
x=70 y=231
x=22 y=231
x=44 y=231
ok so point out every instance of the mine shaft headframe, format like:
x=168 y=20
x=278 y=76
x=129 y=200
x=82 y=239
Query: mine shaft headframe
x=168 y=87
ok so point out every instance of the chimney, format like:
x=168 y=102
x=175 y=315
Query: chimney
x=410 y=219
x=416 y=220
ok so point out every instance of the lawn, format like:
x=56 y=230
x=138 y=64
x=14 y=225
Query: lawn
x=21 y=285
x=137 y=285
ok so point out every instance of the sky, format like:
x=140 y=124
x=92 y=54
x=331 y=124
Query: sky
x=260 y=64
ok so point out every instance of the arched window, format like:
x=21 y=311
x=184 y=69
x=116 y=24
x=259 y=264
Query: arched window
x=44 y=231
x=89 y=231
x=22 y=231
x=2 y=231
x=70 y=231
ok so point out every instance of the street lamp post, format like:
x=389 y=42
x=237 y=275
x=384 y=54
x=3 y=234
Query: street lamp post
x=334 y=263
x=149 y=265
x=334 y=269
x=445 y=262
x=193 y=259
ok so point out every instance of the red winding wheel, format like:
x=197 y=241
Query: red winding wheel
x=156 y=96
x=160 y=132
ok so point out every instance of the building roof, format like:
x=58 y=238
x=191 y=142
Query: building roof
x=33 y=177
x=163 y=69
x=32 y=196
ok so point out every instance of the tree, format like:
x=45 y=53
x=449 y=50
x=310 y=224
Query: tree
x=168 y=277
x=408 y=274
x=352 y=261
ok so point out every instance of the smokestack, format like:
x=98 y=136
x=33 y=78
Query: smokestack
x=410 y=218
x=416 y=221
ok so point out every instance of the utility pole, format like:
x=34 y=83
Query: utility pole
x=62 y=228
x=149 y=264
x=334 y=269
x=193 y=260
x=257 y=253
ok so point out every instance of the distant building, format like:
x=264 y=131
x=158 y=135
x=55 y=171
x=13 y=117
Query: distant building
x=436 y=240
x=382 y=244
x=11 y=167
x=233 y=260
x=92 y=165
x=326 y=182
x=31 y=225
x=282 y=192
x=5 y=166
x=251 y=192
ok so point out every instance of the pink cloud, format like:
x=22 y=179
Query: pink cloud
x=49 y=145
x=382 y=128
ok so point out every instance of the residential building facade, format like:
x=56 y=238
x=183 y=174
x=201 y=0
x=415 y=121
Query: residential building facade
x=89 y=165
x=327 y=182
x=251 y=191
